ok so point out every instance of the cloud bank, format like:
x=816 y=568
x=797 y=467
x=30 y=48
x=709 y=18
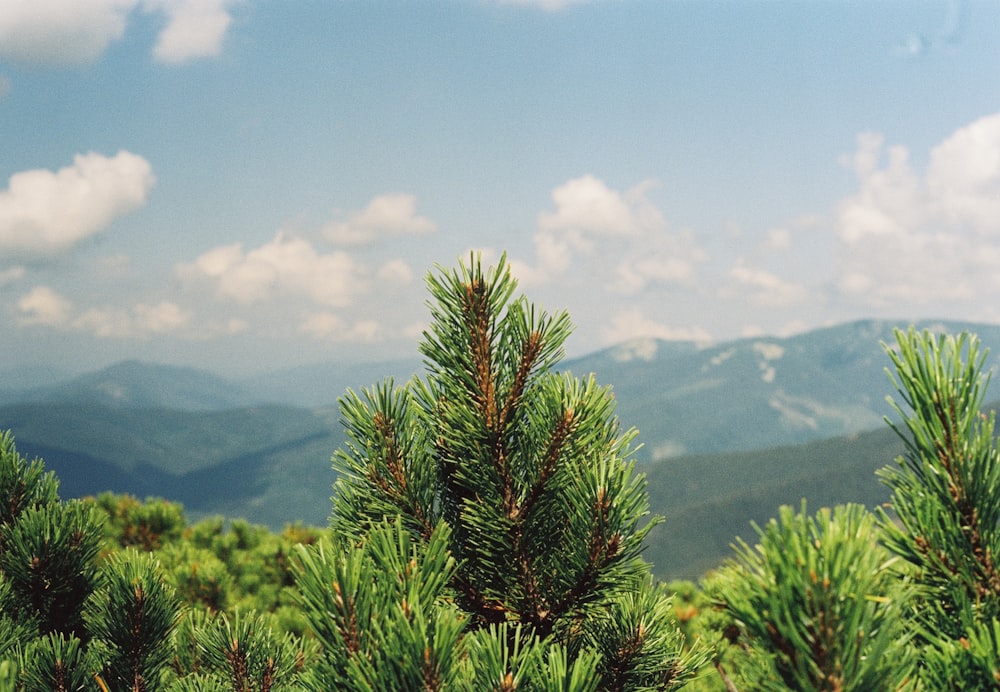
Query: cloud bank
x=910 y=238
x=62 y=33
x=43 y=213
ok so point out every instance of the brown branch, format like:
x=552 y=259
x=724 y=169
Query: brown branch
x=952 y=460
x=564 y=428
x=398 y=490
x=730 y=686
x=532 y=347
x=603 y=549
x=489 y=611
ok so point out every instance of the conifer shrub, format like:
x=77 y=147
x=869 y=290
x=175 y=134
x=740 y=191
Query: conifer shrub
x=519 y=481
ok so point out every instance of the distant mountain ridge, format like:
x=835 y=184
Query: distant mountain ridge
x=723 y=428
x=757 y=392
x=135 y=384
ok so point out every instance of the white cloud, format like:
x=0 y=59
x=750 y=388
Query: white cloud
x=622 y=236
x=762 y=287
x=928 y=239
x=44 y=306
x=60 y=33
x=44 y=212
x=660 y=258
x=285 y=265
x=195 y=28
x=389 y=214
x=396 y=271
x=630 y=324
x=328 y=326
x=890 y=200
x=588 y=205
x=963 y=178
x=161 y=318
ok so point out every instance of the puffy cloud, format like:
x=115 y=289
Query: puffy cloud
x=963 y=177
x=890 y=201
x=44 y=306
x=923 y=239
x=161 y=318
x=285 y=265
x=396 y=271
x=328 y=326
x=195 y=28
x=587 y=205
x=619 y=239
x=390 y=214
x=762 y=287
x=44 y=212
x=59 y=33
x=631 y=324
x=661 y=258
x=599 y=223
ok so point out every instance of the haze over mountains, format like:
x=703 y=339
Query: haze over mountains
x=709 y=419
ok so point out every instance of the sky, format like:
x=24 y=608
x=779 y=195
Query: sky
x=248 y=185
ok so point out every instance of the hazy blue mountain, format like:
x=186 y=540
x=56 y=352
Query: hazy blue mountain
x=755 y=393
x=269 y=464
x=719 y=425
x=322 y=384
x=14 y=382
x=134 y=384
x=709 y=500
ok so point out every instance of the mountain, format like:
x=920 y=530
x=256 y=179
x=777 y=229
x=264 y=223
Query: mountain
x=15 y=381
x=755 y=393
x=323 y=383
x=728 y=432
x=269 y=464
x=708 y=500
x=134 y=384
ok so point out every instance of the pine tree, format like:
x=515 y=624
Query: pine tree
x=817 y=605
x=131 y=617
x=945 y=509
x=530 y=472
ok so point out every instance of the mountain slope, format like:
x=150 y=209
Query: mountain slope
x=703 y=416
x=709 y=500
x=755 y=393
x=269 y=464
x=133 y=384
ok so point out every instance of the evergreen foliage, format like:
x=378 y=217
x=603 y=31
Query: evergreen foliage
x=131 y=617
x=529 y=470
x=945 y=519
x=817 y=598
x=49 y=558
x=23 y=484
x=243 y=653
x=907 y=599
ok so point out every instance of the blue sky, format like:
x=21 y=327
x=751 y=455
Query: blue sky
x=245 y=185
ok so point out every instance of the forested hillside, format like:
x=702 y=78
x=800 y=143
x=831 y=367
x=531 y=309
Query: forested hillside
x=719 y=429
